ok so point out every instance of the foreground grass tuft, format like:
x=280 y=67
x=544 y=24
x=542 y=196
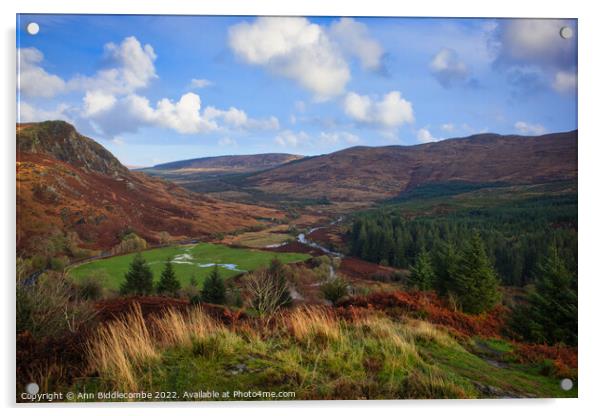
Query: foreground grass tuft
x=310 y=351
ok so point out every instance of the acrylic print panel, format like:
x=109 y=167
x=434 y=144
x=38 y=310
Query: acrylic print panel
x=294 y=208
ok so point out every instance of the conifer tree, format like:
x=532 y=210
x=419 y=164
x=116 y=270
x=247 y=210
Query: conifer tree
x=422 y=275
x=138 y=279
x=445 y=260
x=169 y=283
x=387 y=250
x=214 y=289
x=552 y=305
x=474 y=282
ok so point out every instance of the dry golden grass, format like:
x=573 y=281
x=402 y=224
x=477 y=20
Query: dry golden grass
x=426 y=331
x=394 y=341
x=129 y=342
x=310 y=343
x=121 y=345
x=308 y=323
x=176 y=328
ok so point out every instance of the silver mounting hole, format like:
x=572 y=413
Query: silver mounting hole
x=566 y=32
x=566 y=384
x=33 y=28
x=32 y=388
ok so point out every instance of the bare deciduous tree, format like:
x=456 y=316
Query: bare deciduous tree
x=268 y=293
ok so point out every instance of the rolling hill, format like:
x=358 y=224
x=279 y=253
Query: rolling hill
x=365 y=175
x=68 y=184
x=226 y=164
x=361 y=174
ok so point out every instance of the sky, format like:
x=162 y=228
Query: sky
x=154 y=89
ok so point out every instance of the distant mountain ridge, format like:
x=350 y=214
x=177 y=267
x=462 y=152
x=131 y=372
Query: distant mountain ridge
x=377 y=173
x=233 y=163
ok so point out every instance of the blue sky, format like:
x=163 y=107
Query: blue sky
x=154 y=89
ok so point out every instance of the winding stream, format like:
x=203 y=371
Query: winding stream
x=304 y=239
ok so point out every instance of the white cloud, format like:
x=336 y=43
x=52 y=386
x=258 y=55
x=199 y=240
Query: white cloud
x=448 y=69
x=291 y=139
x=565 y=81
x=333 y=138
x=391 y=111
x=354 y=39
x=237 y=118
x=529 y=128
x=358 y=107
x=227 y=141
x=32 y=79
x=200 y=83
x=425 y=136
x=28 y=113
x=232 y=116
x=110 y=104
x=133 y=111
x=182 y=116
x=129 y=67
x=185 y=116
x=448 y=127
x=294 y=48
x=98 y=101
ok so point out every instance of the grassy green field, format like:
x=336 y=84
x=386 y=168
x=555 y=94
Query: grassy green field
x=188 y=260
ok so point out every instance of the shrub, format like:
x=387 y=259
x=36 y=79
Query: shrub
x=334 y=290
x=92 y=287
x=322 y=272
x=50 y=307
x=164 y=238
x=190 y=292
x=58 y=263
x=319 y=261
x=38 y=262
x=130 y=243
